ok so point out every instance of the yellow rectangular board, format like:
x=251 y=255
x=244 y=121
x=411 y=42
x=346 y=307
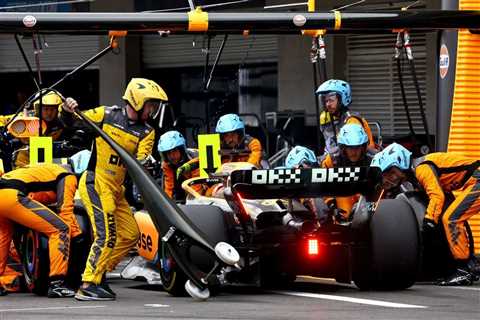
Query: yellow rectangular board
x=41 y=150
x=209 y=153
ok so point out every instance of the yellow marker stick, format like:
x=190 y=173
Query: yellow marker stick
x=209 y=153
x=41 y=150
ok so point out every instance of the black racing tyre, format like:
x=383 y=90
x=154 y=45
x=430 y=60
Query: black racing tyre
x=35 y=260
x=393 y=257
x=211 y=221
x=173 y=278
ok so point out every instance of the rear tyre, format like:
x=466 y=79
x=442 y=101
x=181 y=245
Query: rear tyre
x=392 y=259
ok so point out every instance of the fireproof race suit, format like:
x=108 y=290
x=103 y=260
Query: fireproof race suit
x=344 y=205
x=17 y=207
x=441 y=173
x=254 y=157
x=330 y=127
x=102 y=191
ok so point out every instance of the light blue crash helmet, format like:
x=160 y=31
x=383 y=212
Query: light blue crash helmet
x=300 y=155
x=79 y=161
x=340 y=87
x=395 y=155
x=352 y=135
x=170 y=140
x=230 y=123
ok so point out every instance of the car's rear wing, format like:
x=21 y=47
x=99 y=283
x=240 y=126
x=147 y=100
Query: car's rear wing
x=303 y=183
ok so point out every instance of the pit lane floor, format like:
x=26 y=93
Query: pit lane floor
x=308 y=298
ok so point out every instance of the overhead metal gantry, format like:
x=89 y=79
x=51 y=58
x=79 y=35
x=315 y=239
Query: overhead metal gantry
x=237 y=22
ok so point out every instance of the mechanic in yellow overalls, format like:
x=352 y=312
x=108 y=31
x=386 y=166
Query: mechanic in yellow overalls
x=101 y=186
x=439 y=174
x=18 y=190
x=51 y=103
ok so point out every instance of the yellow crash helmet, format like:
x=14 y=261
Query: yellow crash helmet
x=49 y=99
x=140 y=90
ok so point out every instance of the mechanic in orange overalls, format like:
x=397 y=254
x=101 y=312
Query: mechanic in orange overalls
x=101 y=185
x=353 y=152
x=336 y=97
x=18 y=207
x=172 y=147
x=439 y=174
x=232 y=137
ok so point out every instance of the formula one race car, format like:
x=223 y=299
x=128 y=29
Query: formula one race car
x=260 y=212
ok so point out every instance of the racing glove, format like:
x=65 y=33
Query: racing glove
x=182 y=170
x=429 y=224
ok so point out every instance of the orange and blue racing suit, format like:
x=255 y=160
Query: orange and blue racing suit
x=440 y=174
x=17 y=191
x=101 y=187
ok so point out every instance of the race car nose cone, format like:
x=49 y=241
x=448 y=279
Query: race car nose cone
x=227 y=253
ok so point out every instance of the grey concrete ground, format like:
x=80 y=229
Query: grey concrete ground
x=307 y=299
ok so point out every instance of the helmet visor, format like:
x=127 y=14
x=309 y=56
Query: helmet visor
x=153 y=107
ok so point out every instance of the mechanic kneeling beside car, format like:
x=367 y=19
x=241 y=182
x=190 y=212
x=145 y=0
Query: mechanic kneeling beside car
x=172 y=147
x=17 y=207
x=236 y=146
x=439 y=174
x=353 y=152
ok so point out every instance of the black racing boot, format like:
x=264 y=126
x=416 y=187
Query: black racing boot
x=105 y=285
x=460 y=277
x=3 y=291
x=93 y=292
x=58 y=289
x=473 y=266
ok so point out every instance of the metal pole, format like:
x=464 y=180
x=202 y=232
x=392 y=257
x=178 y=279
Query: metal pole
x=274 y=22
x=25 y=59
x=217 y=59
x=205 y=89
x=37 y=62
x=84 y=65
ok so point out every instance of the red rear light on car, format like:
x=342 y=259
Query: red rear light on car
x=312 y=247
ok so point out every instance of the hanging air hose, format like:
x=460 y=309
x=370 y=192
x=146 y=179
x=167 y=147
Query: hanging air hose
x=318 y=59
x=398 y=52
x=408 y=51
x=405 y=43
